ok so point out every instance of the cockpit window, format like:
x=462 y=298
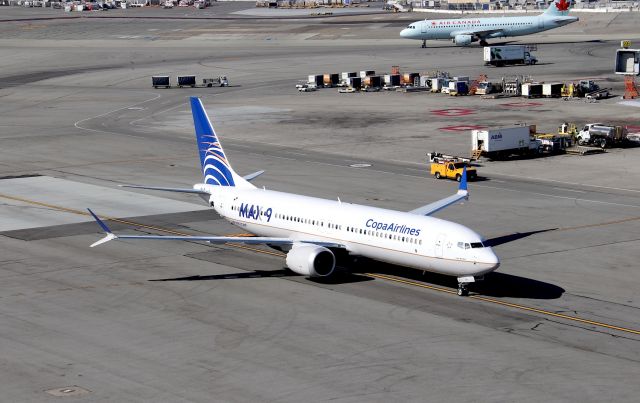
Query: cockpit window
x=465 y=245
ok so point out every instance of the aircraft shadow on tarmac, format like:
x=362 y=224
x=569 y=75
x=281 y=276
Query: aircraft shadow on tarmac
x=339 y=277
x=495 y=284
x=513 y=237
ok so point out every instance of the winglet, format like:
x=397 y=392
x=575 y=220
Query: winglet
x=462 y=189
x=110 y=235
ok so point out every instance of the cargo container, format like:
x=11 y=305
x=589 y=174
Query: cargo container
x=503 y=142
x=461 y=78
x=186 y=81
x=366 y=73
x=409 y=78
x=458 y=88
x=160 y=81
x=316 y=79
x=436 y=84
x=330 y=79
x=506 y=55
x=628 y=62
x=373 y=82
x=531 y=90
x=552 y=90
x=425 y=81
x=346 y=74
x=392 y=80
x=354 y=82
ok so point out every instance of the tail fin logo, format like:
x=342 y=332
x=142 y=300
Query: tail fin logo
x=215 y=167
x=563 y=5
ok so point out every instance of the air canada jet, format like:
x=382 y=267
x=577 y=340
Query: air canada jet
x=314 y=231
x=464 y=31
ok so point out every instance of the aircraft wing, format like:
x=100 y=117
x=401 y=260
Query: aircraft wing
x=211 y=239
x=462 y=194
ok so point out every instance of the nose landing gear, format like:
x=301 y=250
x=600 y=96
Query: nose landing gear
x=463 y=283
x=424 y=43
x=463 y=291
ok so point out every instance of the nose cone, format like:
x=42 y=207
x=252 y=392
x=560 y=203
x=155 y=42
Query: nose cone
x=492 y=259
x=404 y=33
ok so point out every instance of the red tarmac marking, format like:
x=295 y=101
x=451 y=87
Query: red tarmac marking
x=453 y=112
x=462 y=128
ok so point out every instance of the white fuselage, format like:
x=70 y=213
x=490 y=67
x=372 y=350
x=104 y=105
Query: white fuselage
x=401 y=238
x=502 y=26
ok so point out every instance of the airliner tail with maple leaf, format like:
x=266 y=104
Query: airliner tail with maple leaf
x=464 y=31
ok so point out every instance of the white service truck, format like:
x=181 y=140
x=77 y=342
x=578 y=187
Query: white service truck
x=601 y=135
x=504 y=142
x=505 y=55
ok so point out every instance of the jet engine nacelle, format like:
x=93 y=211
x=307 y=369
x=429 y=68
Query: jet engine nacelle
x=463 y=40
x=311 y=260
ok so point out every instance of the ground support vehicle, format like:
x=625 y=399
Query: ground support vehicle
x=507 y=55
x=306 y=88
x=452 y=170
x=554 y=143
x=601 y=135
x=221 y=81
x=504 y=142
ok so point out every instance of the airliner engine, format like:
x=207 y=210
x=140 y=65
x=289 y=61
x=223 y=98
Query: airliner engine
x=311 y=260
x=463 y=40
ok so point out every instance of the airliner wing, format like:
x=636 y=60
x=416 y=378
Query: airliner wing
x=211 y=239
x=462 y=194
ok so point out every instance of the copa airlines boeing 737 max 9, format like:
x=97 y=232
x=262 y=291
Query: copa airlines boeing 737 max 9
x=313 y=231
x=463 y=31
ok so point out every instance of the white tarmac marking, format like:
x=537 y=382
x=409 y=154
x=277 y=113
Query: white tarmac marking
x=572 y=183
x=77 y=124
x=561 y=197
x=570 y=190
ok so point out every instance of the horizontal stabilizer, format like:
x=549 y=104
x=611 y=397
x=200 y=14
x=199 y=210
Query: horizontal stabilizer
x=252 y=176
x=179 y=190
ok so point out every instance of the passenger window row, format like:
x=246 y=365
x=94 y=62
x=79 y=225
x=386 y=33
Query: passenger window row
x=377 y=234
x=320 y=223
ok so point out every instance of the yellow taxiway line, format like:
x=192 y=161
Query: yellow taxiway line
x=378 y=276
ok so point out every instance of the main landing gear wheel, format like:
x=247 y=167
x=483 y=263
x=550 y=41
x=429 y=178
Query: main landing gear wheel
x=424 y=43
x=483 y=42
x=463 y=291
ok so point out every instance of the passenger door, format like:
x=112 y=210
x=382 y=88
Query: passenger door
x=440 y=244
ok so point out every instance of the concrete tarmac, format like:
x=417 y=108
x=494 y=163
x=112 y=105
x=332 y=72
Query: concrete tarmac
x=165 y=321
